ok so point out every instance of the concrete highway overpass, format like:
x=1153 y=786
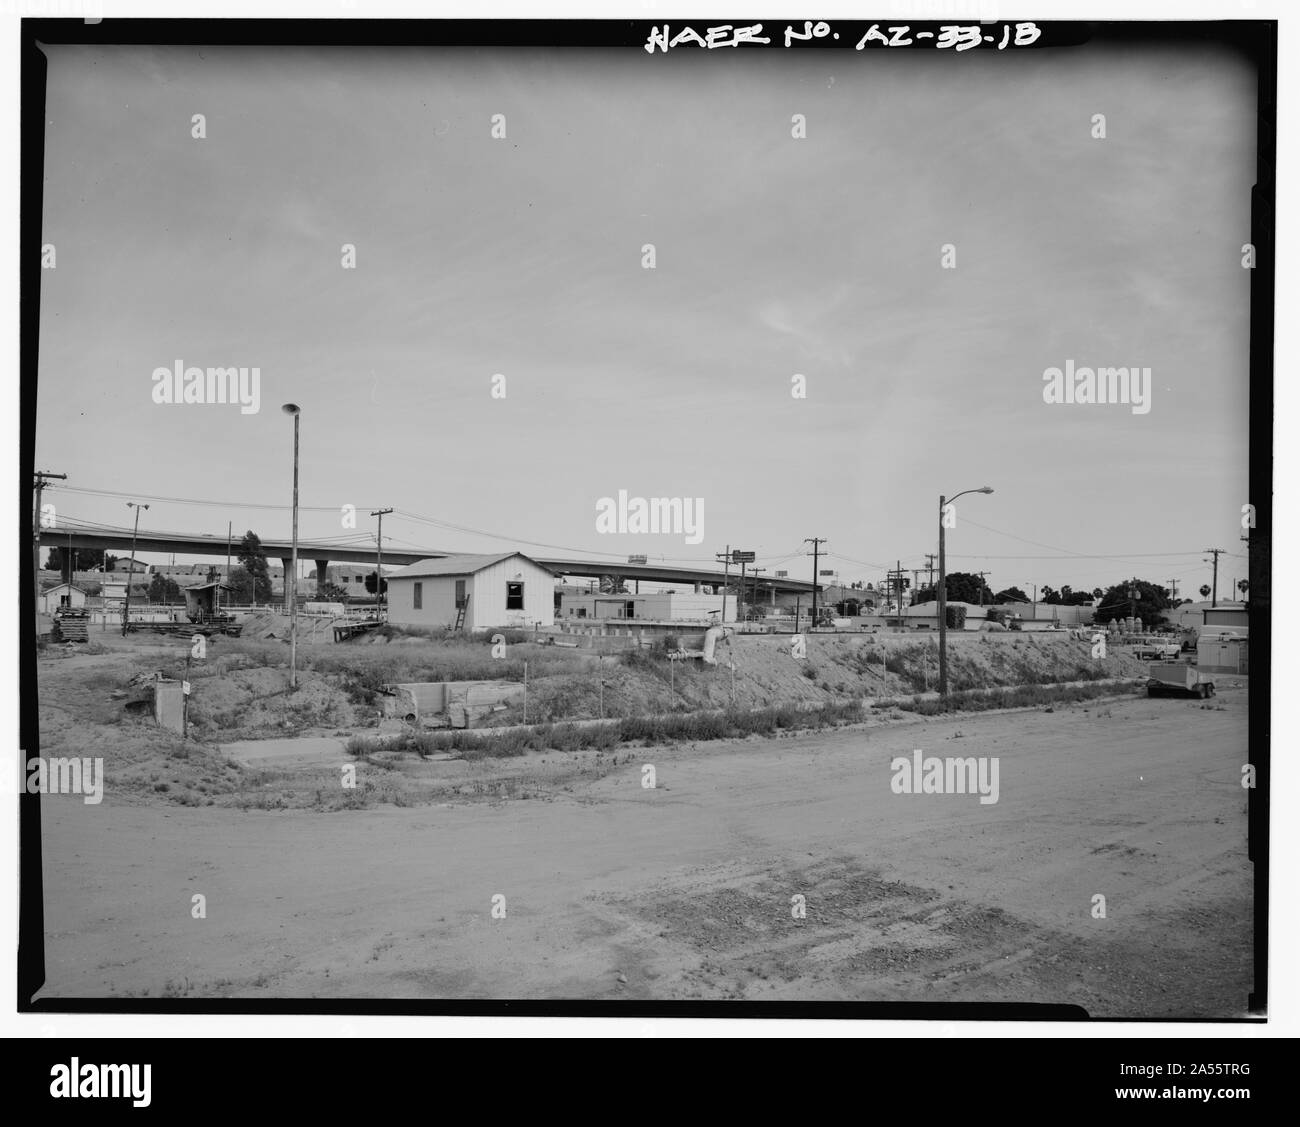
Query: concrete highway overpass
x=118 y=542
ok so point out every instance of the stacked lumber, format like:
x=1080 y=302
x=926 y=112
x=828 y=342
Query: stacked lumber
x=72 y=626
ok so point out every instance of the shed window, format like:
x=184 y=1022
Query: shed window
x=514 y=596
x=419 y=596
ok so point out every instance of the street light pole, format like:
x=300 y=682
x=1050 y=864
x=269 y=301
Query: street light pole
x=291 y=586
x=130 y=575
x=942 y=592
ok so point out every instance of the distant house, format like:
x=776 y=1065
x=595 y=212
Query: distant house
x=61 y=595
x=350 y=577
x=493 y=590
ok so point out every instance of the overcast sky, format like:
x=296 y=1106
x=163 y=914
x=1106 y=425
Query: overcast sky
x=775 y=256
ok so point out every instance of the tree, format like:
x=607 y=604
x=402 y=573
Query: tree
x=960 y=587
x=241 y=586
x=333 y=593
x=847 y=607
x=83 y=559
x=1243 y=585
x=1205 y=590
x=1073 y=598
x=1149 y=601
x=164 y=590
x=253 y=561
x=370 y=583
x=1011 y=595
x=613 y=585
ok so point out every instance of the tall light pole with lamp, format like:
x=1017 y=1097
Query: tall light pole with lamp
x=291 y=584
x=944 y=502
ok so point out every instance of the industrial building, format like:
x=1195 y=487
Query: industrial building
x=663 y=606
x=474 y=592
x=1231 y=615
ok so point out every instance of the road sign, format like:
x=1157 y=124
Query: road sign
x=826 y=573
x=782 y=574
x=637 y=559
x=742 y=557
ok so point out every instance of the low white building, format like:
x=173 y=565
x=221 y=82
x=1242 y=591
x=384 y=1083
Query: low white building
x=502 y=590
x=662 y=606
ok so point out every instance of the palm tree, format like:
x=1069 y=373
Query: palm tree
x=1205 y=590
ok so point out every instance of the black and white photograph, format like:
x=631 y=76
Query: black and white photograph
x=656 y=513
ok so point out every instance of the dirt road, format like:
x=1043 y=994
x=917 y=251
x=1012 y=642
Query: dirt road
x=685 y=891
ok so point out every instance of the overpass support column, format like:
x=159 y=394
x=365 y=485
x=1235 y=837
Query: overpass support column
x=287 y=562
x=322 y=566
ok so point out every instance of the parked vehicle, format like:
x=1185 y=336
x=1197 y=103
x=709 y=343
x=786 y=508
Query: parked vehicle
x=1156 y=651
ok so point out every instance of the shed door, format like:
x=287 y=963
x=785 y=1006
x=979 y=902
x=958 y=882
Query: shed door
x=460 y=592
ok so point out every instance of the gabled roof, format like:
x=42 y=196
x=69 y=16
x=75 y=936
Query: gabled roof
x=459 y=565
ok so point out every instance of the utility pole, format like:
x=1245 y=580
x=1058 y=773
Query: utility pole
x=1214 y=598
x=1173 y=591
x=816 y=542
x=740 y=599
x=726 y=579
x=379 y=565
x=230 y=527
x=982 y=574
x=130 y=574
x=930 y=557
x=42 y=476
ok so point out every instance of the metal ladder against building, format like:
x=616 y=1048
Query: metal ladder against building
x=461 y=608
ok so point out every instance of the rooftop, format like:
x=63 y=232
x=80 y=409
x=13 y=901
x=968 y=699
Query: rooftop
x=458 y=565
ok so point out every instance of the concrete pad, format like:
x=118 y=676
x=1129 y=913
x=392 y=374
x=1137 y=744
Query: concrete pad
x=307 y=749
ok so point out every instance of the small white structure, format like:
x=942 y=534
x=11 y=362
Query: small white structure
x=502 y=590
x=61 y=595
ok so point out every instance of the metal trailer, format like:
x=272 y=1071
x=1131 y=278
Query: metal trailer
x=1173 y=678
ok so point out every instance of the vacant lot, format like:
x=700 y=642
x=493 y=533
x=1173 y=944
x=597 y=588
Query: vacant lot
x=614 y=890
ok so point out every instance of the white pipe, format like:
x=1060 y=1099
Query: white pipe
x=711 y=636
